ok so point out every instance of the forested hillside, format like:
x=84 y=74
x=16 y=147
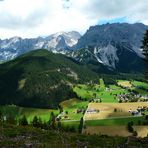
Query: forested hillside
x=40 y=79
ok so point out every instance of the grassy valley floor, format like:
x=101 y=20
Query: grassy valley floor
x=102 y=114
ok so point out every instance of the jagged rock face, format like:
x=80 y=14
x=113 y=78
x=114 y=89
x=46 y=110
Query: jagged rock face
x=59 y=42
x=101 y=35
x=108 y=44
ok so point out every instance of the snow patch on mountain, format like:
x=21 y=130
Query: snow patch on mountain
x=95 y=53
x=39 y=45
x=57 y=43
x=138 y=51
x=6 y=55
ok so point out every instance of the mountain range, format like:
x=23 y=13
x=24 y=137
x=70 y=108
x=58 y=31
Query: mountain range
x=113 y=47
x=59 y=42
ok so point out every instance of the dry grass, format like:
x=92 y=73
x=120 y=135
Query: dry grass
x=69 y=102
x=107 y=110
x=108 y=130
x=125 y=84
x=21 y=84
x=141 y=130
x=116 y=130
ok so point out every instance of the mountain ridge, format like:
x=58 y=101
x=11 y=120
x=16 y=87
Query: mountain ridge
x=101 y=46
x=108 y=43
x=58 y=42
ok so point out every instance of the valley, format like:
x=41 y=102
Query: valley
x=61 y=88
x=104 y=109
x=73 y=74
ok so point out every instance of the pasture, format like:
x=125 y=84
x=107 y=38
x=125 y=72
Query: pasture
x=71 y=106
x=140 y=87
x=124 y=83
x=142 y=131
x=113 y=121
x=140 y=84
x=111 y=117
x=112 y=110
x=18 y=112
x=99 y=91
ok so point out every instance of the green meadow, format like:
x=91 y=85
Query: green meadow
x=99 y=91
x=140 y=87
x=71 y=106
x=115 y=121
x=18 y=112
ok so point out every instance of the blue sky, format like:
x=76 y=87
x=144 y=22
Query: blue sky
x=32 y=18
x=115 y=20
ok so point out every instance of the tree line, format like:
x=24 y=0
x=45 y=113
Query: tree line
x=52 y=124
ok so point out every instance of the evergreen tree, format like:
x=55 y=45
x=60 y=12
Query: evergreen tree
x=23 y=121
x=80 y=125
x=60 y=108
x=40 y=124
x=100 y=100
x=145 y=45
x=52 y=120
x=1 y=116
x=11 y=119
x=45 y=125
x=59 y=125
x=135 y=133
x=145 y=50
x=35 y=122
x=129 y=127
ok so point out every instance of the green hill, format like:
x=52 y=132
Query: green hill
x=41 y=79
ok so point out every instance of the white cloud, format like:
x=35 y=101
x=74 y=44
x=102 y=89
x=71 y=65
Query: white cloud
x=31 y=18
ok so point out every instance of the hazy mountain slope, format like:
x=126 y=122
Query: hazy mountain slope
x=59 y=42
x=40 y=79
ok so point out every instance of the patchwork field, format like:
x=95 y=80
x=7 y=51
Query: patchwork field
x=112 y=110
x=142 y=131
x=71 y=106
x=140 y=87
x=140 y=84
x=99 y=106
x=124 y=83
x=99 y=91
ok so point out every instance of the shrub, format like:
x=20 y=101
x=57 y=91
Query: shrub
x=135 y=133
x=115 y=110
x=23 y=121
x=129 y=127
x=80 y=128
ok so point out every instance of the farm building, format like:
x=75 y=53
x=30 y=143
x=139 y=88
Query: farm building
x=135 y=112
x=91 y=111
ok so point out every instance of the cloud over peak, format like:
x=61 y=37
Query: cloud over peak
x=31 y=18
